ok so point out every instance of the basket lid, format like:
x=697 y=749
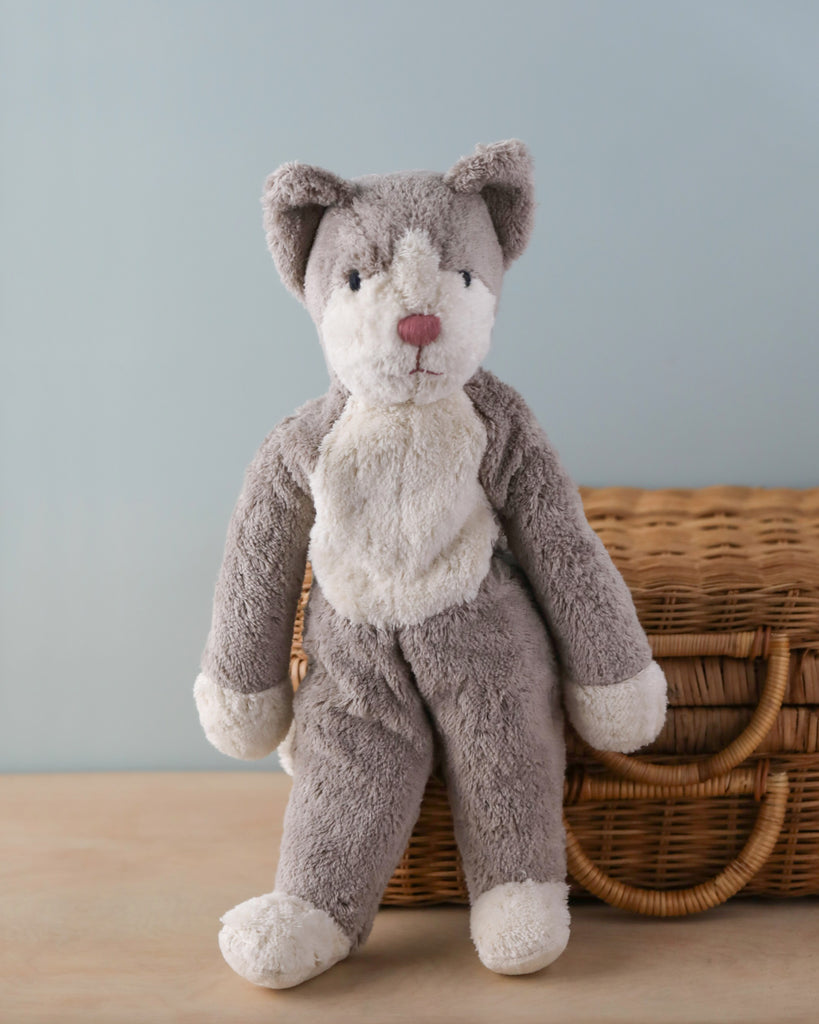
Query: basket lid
x=715 y=558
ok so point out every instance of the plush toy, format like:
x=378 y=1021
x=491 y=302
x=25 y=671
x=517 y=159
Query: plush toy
x=458 y=590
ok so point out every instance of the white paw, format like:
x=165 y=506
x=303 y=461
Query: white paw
x=279 y=941
x=521 y=927
x=622 y=716
x=287 y=750
x=244 y=725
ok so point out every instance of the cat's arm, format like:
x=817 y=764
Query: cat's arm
x=615 y=693
x=243 y=692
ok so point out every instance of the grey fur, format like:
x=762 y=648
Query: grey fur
x=375 y=709
x=362 y=235
x=582 y=595
x=502 y=174
x=257 y=592
x=474 y=688
x=319 y=227
x=294 y=200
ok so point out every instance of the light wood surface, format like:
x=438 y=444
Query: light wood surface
x=111 y=887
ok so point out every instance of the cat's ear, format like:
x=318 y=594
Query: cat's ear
x=503 y=174
x=294 y=201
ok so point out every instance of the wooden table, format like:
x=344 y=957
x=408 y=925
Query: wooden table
x=112 y=886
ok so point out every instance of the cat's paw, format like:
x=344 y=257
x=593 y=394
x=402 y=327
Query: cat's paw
x=243 y=725
x=620 y=716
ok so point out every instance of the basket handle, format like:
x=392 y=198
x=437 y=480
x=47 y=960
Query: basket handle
x=761 y=643
x=676 y=902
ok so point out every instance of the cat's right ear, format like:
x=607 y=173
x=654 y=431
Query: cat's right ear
x=294 y=201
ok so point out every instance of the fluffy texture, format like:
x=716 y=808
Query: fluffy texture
x=296 y=441
x=403 y=529
x=502 y=174
x=243 y=725
x=583 y=597
x=286 y=750
x=414 y=272
x=294 y=200
x=623 y=716
x=378 y=707
x=359 y=329
x=521 y=927
x=279 y=940
x=254 y=607
x=596 y=629
x=367 y=234
x=427 y=645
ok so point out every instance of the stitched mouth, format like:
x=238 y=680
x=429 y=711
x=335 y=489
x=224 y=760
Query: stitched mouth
x=420 y=369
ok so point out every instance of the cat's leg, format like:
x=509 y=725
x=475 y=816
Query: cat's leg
x=488 y=672
x=362 y=753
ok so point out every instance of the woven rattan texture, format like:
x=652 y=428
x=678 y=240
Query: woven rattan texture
x=706 y=681
x=668 y=844
x=640 y=835
x=715 y=559
x=712 y=700
x=655 y=843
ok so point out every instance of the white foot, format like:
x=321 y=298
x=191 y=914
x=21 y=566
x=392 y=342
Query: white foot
x=521 y=927
x=279 y=941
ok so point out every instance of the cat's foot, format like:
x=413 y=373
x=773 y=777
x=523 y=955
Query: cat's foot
x=278 y=941
x=521 y=927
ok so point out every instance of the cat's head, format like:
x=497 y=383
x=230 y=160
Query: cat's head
x=402 y=272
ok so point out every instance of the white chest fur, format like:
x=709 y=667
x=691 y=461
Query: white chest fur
x=403 y=527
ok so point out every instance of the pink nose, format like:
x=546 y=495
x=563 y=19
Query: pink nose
x=419 y=330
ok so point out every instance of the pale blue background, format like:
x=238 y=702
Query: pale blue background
x=663 y=324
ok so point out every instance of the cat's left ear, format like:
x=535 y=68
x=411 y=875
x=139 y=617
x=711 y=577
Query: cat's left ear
x=502 y=173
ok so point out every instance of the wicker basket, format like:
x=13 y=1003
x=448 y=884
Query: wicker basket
x=726 y=801
x=715 y=559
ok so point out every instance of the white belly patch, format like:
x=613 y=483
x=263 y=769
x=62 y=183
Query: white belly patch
x=403 y=528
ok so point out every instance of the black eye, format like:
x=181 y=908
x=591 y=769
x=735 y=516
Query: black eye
x=467 y=277
x=355 y=280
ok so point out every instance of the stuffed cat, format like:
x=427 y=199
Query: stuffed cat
x=460 y=599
